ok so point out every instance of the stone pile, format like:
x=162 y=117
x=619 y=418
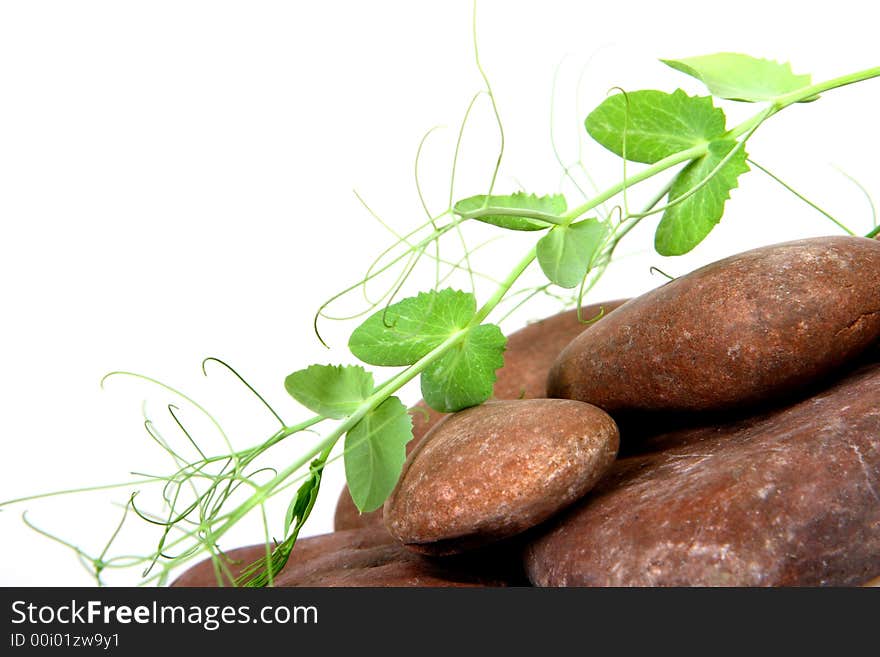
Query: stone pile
x=744 y=402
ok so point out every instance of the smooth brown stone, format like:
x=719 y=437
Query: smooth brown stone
x=752 y=328
x=495 y=470
x=788 y=497
x=529 y=354
x=362 y=557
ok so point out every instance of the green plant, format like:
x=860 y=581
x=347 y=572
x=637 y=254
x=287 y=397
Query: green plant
x=442 y=336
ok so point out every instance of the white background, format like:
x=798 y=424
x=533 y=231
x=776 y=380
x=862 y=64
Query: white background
x=176 y=182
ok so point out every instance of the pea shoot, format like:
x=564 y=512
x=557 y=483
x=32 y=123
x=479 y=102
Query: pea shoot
x=449 y=339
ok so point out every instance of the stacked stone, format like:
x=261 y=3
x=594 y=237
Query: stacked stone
x=744 y=402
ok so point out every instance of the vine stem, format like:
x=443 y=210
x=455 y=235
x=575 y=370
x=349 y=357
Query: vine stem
x=834 y=83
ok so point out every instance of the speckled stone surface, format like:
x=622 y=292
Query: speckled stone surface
x=364 y=557
x=495 y=470
x=787 y=497
x=530 y=353
x=737 y=333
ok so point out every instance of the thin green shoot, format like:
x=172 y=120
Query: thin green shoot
x=172 y=411
x=580 y=112
x=566 y=169
x=374 y=273
x=454 y=168
x=803 y=198
x=227 y=366
x=864 y=191
x=401 y=240
x=491 y=98
x=421 y=196
x=455 y=266
x=657 y=270
x=188 y=399
x=88 y=562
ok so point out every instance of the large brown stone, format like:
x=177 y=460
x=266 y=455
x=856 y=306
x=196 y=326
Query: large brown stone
x=363 y=557
x=529 y=354
x=495 y=470
x=754 y=327
x=788 y=497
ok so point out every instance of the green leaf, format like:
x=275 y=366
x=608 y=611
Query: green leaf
x=552 y=205
x=301 y=505
x=687 y=223
x=331 y=390
x=409 y=329
x=565 y=253
x=465 y=375
x=375 y=450
x=657 y=124
x=740 y=77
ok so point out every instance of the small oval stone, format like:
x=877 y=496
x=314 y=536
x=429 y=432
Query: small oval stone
x=495 y=470
x=361 y=557
x=529 y=354
x=754 y=327
x=788 y=497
